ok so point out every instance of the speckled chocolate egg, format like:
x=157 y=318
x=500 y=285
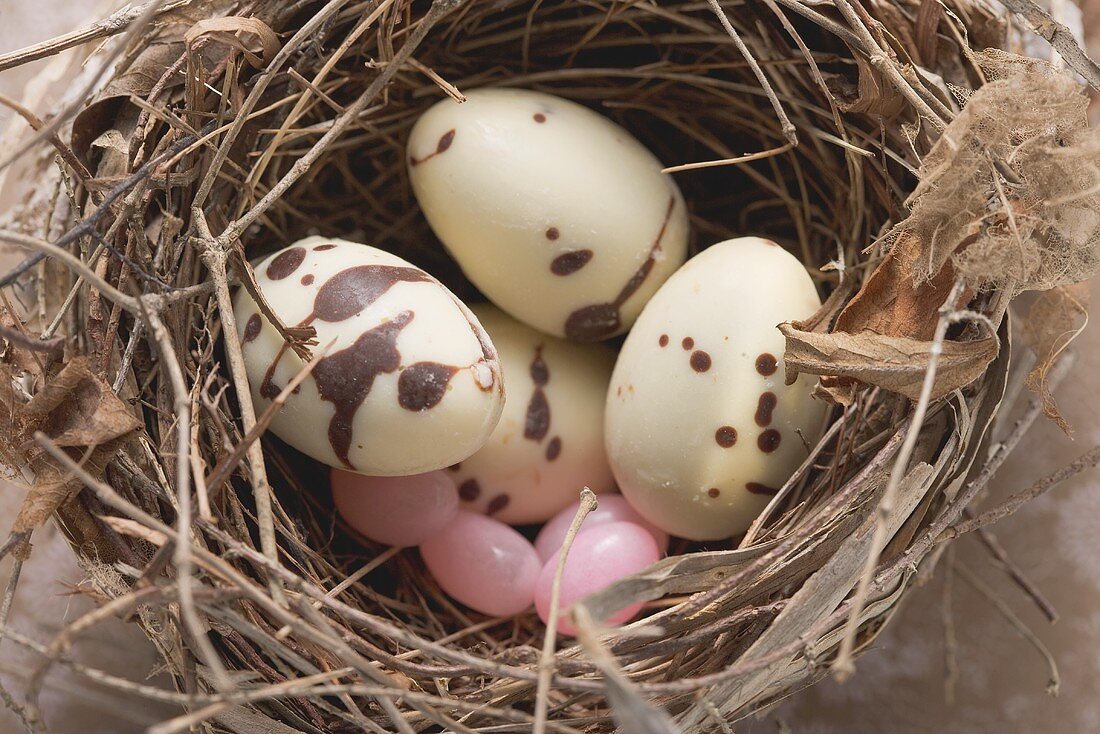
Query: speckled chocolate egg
x=548 y=444
x=410 y=383
x=556 y=213
x=700 y=429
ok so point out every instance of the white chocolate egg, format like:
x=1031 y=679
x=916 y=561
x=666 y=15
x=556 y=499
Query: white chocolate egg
x=557 y=214
x=410 y=382
x=548 y=444
x=700 y=428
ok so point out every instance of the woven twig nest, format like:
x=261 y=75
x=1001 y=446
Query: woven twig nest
x=923 y=183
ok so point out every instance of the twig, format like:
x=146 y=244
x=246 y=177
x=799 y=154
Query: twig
x=214 y=257
x=85 y=227
x=149 y=11
x=730 y=161
x=546 y=659
x=1059 y=37
x=1001 y=558
x=1026 y=632
x=785 y=124
x=844 y=666
x=1086 y=461
x=105 y=28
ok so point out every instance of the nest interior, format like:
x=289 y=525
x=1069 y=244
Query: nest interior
x=225 y=130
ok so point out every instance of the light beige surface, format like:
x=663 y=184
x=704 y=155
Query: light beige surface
x=898 y=686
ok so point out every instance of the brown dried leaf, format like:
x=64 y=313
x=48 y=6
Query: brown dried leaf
x=138 y=80
x=48 y=493
x=893 y=303
x=1056 y=318
x=875 y=95
x=77 y=409
x=224 y=30
x=894 y=363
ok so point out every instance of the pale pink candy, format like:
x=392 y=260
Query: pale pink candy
x=599 y=556
x=612 y=508
x=401 y=511
x=484 y=564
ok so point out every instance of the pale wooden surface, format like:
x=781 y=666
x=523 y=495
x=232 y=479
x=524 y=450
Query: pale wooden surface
x=898 y=686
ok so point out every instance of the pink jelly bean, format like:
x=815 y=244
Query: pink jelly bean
x=484 y=564
x=612 y=508
x=599 y=556
x=401 y=511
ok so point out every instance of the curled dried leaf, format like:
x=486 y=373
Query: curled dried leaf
x=895 y=302
x=77 y=409
x=893 y=363
x=1052 y=323
x=225 y=31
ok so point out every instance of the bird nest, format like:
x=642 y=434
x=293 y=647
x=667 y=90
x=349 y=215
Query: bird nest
x=925 y=176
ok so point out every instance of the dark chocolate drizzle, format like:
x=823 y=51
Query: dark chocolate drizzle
x=422 y=385
x=768 y=441
x=764 y=408
x=285 y=263
x=766 y=364
x=553 y=449
x=497 y=504
x=346 y=377
x=252 y=328
x=469 y=490
x=537 y=421
x=726 y=436
x=570 y=262
x=757 y=488
x=700 y=361
x=441 y=147
x=601 y=320
x=351 y=291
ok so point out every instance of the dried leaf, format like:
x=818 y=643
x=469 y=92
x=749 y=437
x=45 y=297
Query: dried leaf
x=894 y=302
x=137 y=80
x=224 y=30
x=77 y=409
x=874 y=94
x=1055 y=319
x=894 y=363
x=47 y=494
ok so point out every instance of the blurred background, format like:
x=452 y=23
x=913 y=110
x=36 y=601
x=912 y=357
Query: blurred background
x=989 y=679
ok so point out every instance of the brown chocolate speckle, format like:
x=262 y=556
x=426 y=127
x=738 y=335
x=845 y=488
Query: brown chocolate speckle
x=422 y=385
x=497 y=504
x=307 y=279
x=687 y=343
x=764 y=408
x=726 y=436
x=662 y=341
x=757 y=488
x=537 y=422
x=570 y=262
x=252 y=328
x=540 y=118
x=601 y=320
x=700 y=361
x=768 y=441
x=322 y=248
x=469 y=490
x=441 y=147
x=285 y=263
x=766 y=364
x=713 y=492
x=552 y=233
x=553 y=449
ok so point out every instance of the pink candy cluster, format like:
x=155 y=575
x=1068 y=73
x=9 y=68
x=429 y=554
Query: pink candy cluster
x=489 y=566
